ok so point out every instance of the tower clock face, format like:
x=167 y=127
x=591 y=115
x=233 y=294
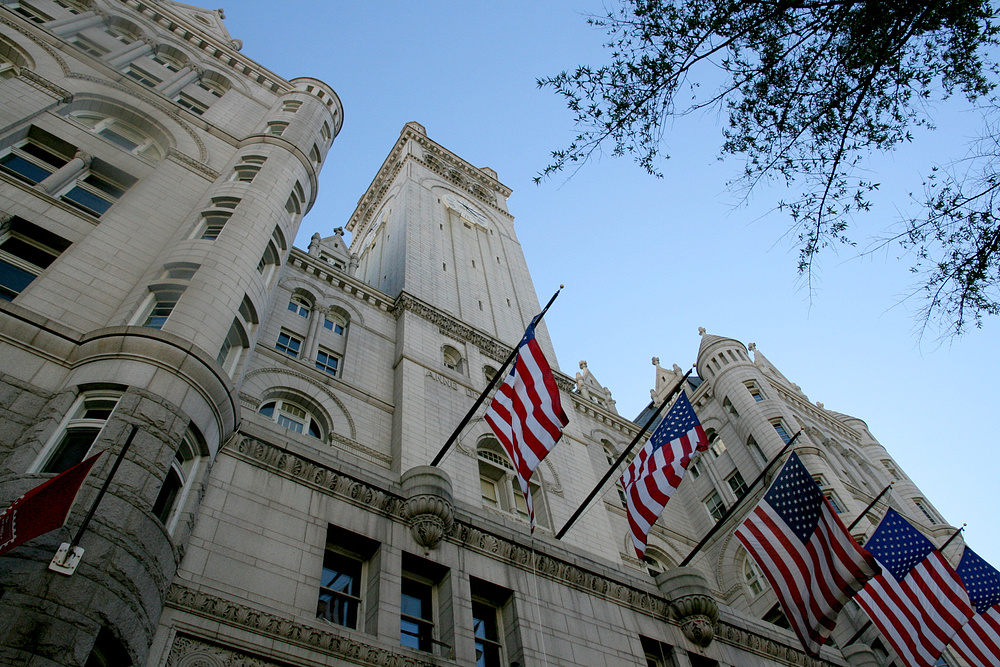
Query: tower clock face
x=465 y=210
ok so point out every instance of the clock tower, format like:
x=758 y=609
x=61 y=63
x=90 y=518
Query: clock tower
x=433 y=232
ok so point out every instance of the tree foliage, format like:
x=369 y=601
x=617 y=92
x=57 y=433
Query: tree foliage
x=811 y=88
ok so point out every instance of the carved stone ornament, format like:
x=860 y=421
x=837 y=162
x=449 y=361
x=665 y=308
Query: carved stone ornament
x=859 y=655
x=429 y=506
x=691 y=603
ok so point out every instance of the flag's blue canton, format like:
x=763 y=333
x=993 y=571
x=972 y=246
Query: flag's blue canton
x=981 y=580
x=795 y=497
x=678 y=421
x=897 y=545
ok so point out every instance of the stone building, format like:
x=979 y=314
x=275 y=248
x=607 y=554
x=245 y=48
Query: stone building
x=276 y=506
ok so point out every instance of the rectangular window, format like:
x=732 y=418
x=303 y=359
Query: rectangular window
x=87 y=46
x=333 y=326
x=423 y=622
x=163 y=305
x=416 y=621
x=754 y=390
x=834 y=502
x=715 y=506
x=276 y=128
x=25 y=251
x=37 y=157
x=737 y=484
x=95 y=193
x=191 y=104
x=211 y=225
x=145 y=78
x=86 y=419
x=29 y=12
x=288 y=344
x=755 y=448
x=656 y=653
x=343 y=585
x=779 y=428
x=925 y=508
x=494 y=625
x=327 y=362
x=892 y=470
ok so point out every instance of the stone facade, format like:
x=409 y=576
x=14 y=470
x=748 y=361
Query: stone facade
x=276 y=507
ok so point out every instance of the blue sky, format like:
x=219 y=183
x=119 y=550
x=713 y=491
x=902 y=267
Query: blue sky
x=647 y=261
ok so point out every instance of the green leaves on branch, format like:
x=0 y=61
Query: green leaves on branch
x=811 y=89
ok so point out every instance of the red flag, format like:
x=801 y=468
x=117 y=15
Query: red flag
x=526 y=413
x=44 y=507
x=806 y=553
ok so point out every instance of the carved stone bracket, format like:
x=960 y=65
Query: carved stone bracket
x=691 y=603
x=859 y=655
x=429 y=506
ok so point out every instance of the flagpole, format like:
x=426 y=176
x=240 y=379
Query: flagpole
x=870 y=505
x=731 y=510
x=945 y=545
x=70 y=551
x=500 y=374
x=618 y=462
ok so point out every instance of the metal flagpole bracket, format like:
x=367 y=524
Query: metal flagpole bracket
x=66 y=559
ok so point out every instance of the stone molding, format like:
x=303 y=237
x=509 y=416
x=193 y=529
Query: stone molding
x=451 y=327
x=188 y=651
x=337 y=278
x=510 y=551
x=198 y=167
x=585 y=407
x=280 y=370
x=47 y=86
x=766 y=647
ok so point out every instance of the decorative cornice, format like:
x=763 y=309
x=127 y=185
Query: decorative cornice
x=261 y=622
x=507 y=550
x=616 y=422
x=449 y=326
x=339 y=279
x=192 y=164
x=47 y=86
x=764 y=646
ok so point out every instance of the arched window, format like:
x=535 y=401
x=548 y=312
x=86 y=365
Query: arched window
x=299 y=305
x=499 y=486
x=124 y=127
x=292 y=416
x=489 y=373
x=752 y=576
x=452 y=358
x=177 y=485
x=656 y=562
x=79 y=431
x=336 y=322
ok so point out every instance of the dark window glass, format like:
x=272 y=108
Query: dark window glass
x=74 y=446
x=23 y=169
x=168 y=496
x=415 y=625
x=484 y=623
x=340 y=590
x=13 y=280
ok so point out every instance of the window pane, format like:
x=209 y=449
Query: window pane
x=13 y=280
x=88 y=201
x=289 y=423
x=164 y=504
x=340 y=589
x=74 y=446
x=26 y=170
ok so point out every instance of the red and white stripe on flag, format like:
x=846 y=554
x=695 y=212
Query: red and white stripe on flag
x=526 y=413
x=918 y=603
x=808 y=556
x=979 y=641
x=656 y=472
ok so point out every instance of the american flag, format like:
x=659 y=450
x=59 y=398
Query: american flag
x=526 y=413
x=918 y=602
x=808 y=556
x=979 y=641
x=653 y=476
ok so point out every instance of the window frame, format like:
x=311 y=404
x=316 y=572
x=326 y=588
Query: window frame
x=286 y=347
x=77 y=421
x=24 y=233
x=332 y=369
x=715 y=505
x=284 y=411
x=185 y=468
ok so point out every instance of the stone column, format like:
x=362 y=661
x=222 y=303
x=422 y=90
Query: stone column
x=691 y=603
x=429 y=506
x=176 y=83
x=66 y=173
x=71 y=24
x=128 y=53
x=311 y=347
